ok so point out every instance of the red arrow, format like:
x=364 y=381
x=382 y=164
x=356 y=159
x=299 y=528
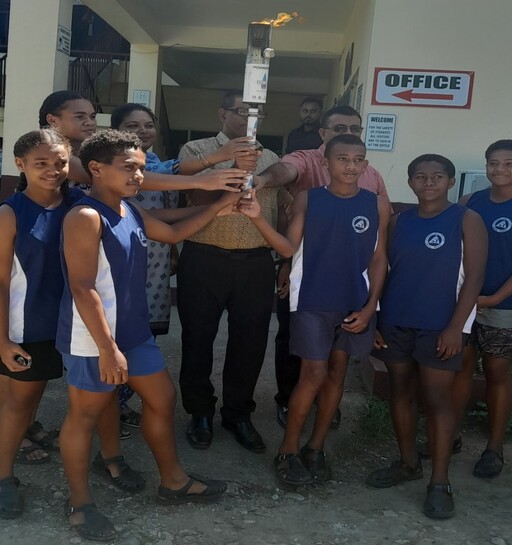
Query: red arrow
x=410 y=95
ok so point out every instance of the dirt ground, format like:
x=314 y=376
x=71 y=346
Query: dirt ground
x=256 y=509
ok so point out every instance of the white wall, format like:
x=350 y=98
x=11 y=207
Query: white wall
x=446 y=35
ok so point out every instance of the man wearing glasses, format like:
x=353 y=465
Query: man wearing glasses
x=300 y=171
x=226 y=265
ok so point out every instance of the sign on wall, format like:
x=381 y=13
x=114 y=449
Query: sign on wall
x=63 y=39
x=380 y=132
x=429 y=88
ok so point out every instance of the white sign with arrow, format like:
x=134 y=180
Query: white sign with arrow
x=432 y=88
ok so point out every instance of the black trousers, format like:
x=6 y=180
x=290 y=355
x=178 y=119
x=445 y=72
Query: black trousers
x=287 y=365
x=211 y=280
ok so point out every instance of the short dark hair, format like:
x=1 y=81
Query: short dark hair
x=228 y=99
x=55 y=103
x=105 y=145
x=447 y=165
x=348 y=139
x=497 y=146
x=339 y=110
x=313 y=100
x=121 y=112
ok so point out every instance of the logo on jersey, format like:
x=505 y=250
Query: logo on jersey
x=502 y=225
x=434 y=241
x=360 y=224
x=142 y=237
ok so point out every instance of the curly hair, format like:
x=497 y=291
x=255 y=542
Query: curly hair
x=105 y=145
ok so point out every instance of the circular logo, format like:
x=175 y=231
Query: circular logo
x=502 y=225
x=360 y=224
x=142 y=237
x=434 y=241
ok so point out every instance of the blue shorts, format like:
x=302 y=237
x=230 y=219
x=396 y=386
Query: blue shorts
x=83 y=371
x=313 y=335
x=409 y=345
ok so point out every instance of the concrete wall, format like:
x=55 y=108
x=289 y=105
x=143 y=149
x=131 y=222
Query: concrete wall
x=436 y=35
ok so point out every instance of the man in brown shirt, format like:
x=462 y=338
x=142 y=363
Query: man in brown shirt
x=226 y=265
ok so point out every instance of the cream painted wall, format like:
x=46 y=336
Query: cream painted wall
x=454 y=35
x=359 y=31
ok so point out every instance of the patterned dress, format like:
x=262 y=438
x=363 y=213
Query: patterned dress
x=158 y=289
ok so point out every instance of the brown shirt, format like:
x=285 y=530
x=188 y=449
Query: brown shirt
x=236 y=231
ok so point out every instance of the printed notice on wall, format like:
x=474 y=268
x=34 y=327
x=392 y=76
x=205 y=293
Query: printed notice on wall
x=380 y=132
x=63 y=39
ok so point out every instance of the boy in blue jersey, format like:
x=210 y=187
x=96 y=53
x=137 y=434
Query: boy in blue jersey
x=337 y=238
x=436 y=258
x=104 y=332
x=492 y=332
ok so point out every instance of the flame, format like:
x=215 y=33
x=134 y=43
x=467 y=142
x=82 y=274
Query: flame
x=281 y=19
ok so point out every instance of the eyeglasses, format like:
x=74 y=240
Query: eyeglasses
x=343 y=129
x=244 y=112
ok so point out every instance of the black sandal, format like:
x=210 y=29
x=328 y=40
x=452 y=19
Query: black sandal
x=291 y=470
x=424 y=448
x=213 y=491
x=23 y=452
x=489 y=465
x=11 y=501
x=439 y=503
x=95 y=527
x=47 y=442
x=396 y=473
x=128 y=480
x=315 y=461
x=131 y=418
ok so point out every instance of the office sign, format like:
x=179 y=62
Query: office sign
x=429 y=88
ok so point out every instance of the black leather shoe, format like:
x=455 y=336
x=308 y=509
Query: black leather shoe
x=336 y=420
x=246 y=435
x=281 y=415
x=200 y=432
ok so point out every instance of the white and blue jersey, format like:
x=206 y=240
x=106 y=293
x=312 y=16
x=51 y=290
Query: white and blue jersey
x=497 y=217
x=330 y=269
x=425 y=271
x=120 y=283
x=36 y=277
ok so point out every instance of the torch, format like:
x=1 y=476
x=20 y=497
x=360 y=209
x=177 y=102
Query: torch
x=257 y=66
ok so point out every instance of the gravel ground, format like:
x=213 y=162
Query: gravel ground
x=256 y=509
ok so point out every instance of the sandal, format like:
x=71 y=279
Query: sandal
x=424 y=448
x=315 y=462
x=23 y=452
x=49 y=440
x=124 y=434
x=128 y=480
x=95 y=526
x=291 y=470
x=489 y=465
x=11 y=501
x=131 y=418
x=439 y=503
x=396 y=473
x=213 y=491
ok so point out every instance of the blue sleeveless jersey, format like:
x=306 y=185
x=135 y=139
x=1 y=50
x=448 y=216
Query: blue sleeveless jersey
x=498 y=221
x=120 y=283
x=329 y=271
x=36 y=276
x=425 y=270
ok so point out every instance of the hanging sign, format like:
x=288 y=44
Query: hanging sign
x=430 y=88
